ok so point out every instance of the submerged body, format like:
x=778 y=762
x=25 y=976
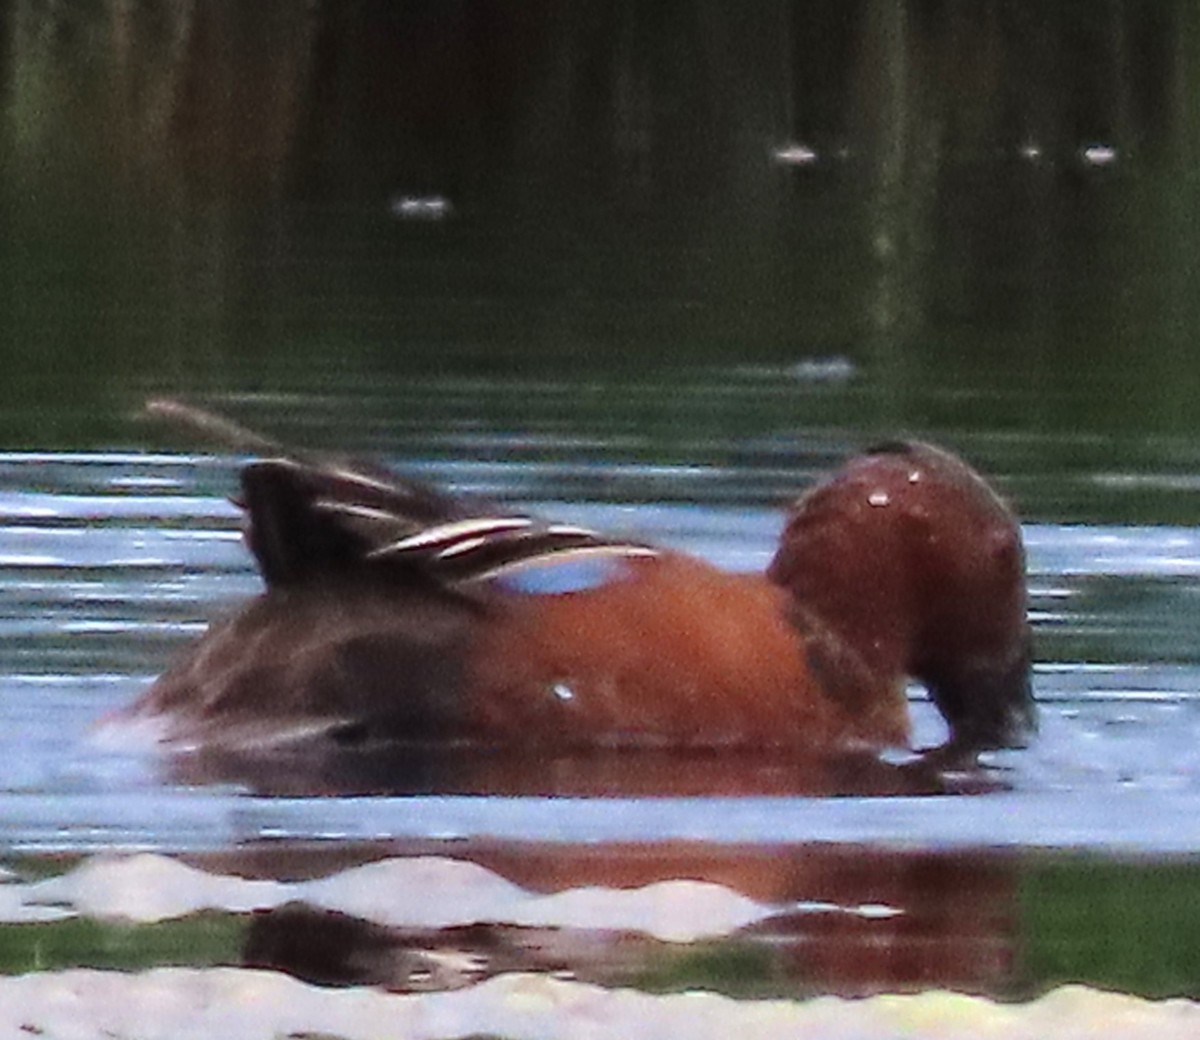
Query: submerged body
x=614 y=666
x=390 y=617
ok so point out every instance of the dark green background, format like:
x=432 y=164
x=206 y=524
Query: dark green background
x=197 y=198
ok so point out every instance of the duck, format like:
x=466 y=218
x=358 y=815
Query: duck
x=396 y=614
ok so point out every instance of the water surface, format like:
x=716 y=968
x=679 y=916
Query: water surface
x=113 y=562
x=652 y=268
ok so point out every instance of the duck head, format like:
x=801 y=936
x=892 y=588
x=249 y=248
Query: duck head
x=910 y=561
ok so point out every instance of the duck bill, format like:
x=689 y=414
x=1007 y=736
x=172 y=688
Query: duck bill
x=990 y=709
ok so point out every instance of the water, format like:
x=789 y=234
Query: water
x=652 y=270
x=111 y=562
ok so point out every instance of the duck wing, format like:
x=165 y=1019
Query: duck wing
x=309 y=515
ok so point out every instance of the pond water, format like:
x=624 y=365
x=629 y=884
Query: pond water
x=653 y=269
x=113 y=562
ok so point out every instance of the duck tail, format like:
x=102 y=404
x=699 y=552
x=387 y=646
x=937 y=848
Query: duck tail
x=309 y=515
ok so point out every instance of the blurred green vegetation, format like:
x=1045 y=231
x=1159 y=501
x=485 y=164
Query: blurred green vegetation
x=203 y=940
x=656 y=218
x=747 y=969
x=1127 y=926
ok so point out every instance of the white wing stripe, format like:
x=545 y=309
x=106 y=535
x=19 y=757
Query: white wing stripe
x=330 y=505
x=354 y=477
x=551 y=559
x=569 y=530
x=475 y=528
x=461 y=548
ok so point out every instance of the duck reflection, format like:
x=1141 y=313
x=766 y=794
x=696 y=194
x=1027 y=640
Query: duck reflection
x=835 y=919
x=306 y=771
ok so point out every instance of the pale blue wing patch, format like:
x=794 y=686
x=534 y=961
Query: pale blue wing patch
x=570 y=571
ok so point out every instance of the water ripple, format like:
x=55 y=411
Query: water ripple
x=111 y=563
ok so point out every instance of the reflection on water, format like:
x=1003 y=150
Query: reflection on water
x=746 y=920
x=312 y=767
x=113 y=562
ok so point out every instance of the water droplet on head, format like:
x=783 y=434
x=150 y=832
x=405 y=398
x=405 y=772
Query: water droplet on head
x=879 y=498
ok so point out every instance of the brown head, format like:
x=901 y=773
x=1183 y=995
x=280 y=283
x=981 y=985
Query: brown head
x=911 y=560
